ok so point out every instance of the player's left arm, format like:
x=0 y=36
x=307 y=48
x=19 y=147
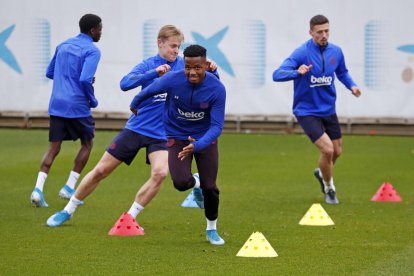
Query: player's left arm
x=342 y=74
x=87 y=75
x=217 y=113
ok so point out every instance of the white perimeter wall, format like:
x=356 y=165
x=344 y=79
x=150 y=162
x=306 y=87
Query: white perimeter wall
x=254 y=37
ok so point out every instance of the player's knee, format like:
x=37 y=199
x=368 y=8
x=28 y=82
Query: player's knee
x=181 y=184
x=328 y=151
x=158 y=175
x=87 y=145
x=337 y=152
x=100 y=172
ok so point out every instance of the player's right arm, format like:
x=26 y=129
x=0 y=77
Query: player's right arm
x=50 y=72
x=141 y=74
x=291 y=68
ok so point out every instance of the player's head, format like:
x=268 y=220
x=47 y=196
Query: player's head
x=195 y=63
x=91 y=25
x=319 y=29
x=169 y=41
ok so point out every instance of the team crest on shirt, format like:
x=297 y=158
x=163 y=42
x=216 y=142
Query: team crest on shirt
x=204 y=105
x=160 y=97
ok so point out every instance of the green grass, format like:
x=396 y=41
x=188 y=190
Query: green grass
x=266 y=185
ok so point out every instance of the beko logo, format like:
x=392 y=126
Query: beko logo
x=321 y=81
x=191 y=116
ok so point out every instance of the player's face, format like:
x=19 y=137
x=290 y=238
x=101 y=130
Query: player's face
x=320 y=34
x=169 y=48
x=195 y=69
x=96 y=33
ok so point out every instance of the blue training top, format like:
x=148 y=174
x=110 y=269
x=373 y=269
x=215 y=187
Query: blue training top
x=314 y=92
x=150 y=121
x=195 y=110
x=72 y=69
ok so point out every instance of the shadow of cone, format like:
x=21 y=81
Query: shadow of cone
x=386 y=193
x=126 y=226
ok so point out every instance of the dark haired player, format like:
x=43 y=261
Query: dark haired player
x=313 y=67
x=193 y=119
x=72 y=70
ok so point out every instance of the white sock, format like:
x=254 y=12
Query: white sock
x=41 y=178
x=331 y=184
x=135 y=209
x=211 y=224
x=73 y=178
x=72 y=205
x=197 y=182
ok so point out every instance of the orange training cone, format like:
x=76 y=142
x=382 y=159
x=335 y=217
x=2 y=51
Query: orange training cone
x=386 y=193
x=126 y=226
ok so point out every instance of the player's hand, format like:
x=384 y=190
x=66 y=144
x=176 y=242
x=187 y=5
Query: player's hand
x=93 y=103
x=162 y=69
x=134 y=110
x=187 y=151
x=191 y=139
x=304 y=69
x=211 y=65
x=356 y=91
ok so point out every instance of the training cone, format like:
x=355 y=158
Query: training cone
x=386 y=193
x=316 y=216
x=256 y=246
x=189 y=201
x=126 y=226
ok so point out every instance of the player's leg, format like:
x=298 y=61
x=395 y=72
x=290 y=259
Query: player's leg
x=57 y=133
x=180 y=170
x=326 y=153
x=207 y=165
x=83 y=128
x=88 y=184
x=122 y=149
x=159 y=170
x=337 y=144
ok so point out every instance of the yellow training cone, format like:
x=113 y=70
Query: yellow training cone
x=316 y=216
x=257 y=246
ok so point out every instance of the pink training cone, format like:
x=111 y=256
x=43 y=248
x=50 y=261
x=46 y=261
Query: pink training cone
x=126 y=226
x=386 y=193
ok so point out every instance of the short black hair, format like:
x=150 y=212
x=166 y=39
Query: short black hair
x=195 y=51
x=318 y=20
x=88 y=22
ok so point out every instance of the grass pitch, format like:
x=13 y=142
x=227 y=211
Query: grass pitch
x=266 y=185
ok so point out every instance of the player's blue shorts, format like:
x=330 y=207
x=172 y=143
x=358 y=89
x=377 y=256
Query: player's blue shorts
x=315 y=127
x=71 y=128
x=127 y=143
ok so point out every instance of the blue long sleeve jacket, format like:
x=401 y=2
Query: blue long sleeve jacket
x=314 y=92
x=150 y=122
x=195 y=110
x=72 y=69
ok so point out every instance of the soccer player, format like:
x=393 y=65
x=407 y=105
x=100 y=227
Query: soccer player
x=72 y=70
x=193 y=119
x=313 y=67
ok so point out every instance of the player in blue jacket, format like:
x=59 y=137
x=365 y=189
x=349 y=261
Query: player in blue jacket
x=193 y=118
x=313 y=67
x=72 y=70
